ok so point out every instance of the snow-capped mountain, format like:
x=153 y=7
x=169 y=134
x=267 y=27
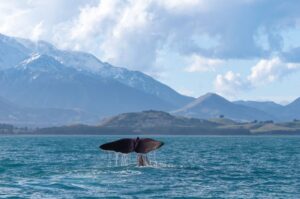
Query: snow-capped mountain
x=41 y=81
x=38 y=75
x=87 y=62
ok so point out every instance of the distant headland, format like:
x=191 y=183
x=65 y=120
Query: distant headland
x=162 y=123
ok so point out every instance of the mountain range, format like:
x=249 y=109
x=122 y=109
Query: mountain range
x=212 y=105
x=37 y=75
x=43 y=85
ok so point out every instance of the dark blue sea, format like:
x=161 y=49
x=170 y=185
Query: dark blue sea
x=185 y=167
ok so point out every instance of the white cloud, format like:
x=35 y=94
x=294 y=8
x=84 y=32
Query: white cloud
x=202 y=64
x=23 y=18
x=131 y=32
x=14 y=16
x=132 y=41
x=230 y=83
x=37 y=31
x=183 y=6
x=95 y=20
x=264 y=72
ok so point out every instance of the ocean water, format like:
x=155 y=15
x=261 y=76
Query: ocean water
x=185 y=167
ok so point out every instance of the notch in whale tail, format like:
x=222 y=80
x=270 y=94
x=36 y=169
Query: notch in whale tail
x=128 y=145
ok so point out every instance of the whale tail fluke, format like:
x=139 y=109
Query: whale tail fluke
x=127 y=145
x=146 y=145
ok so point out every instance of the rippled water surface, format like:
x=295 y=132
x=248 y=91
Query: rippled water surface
x=185 y=167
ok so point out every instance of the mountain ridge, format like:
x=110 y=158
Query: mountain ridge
x=38 y=75
x=87 y=62
x=63 y=87
x=287 y=112
x=212 y=105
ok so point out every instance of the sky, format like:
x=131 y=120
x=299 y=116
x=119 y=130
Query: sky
x=241 y=49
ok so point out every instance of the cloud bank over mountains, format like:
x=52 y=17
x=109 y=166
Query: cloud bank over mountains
x=137 y=34
x=265 y=71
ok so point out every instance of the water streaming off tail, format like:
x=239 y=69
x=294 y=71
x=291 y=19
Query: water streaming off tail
x=114 y=159
x=152 y=158
x=118 y=159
